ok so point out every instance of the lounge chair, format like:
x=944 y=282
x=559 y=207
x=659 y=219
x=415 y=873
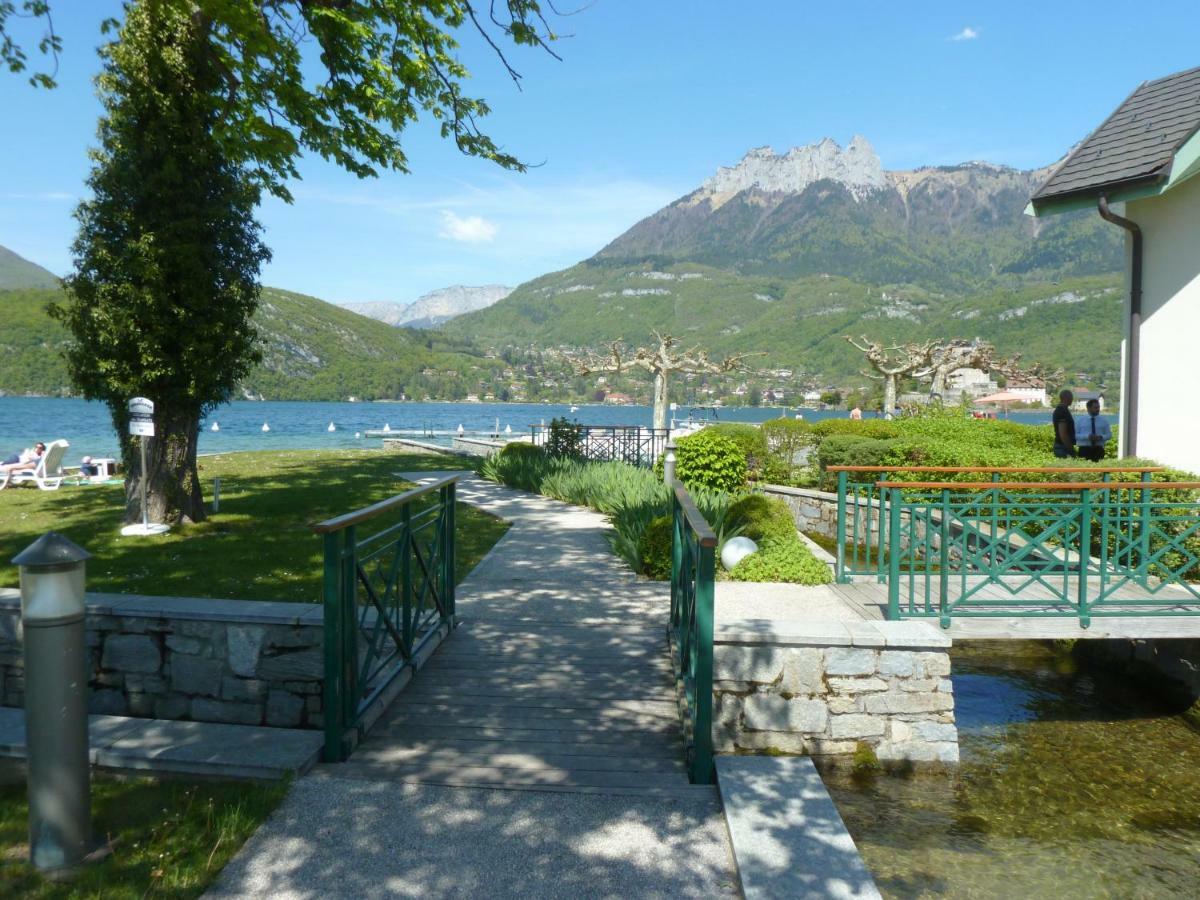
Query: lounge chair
x=47 y=474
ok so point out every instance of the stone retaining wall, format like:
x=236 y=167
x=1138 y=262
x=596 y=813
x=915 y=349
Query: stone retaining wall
x=813 y=510
x=822 y=687
x=234 y=661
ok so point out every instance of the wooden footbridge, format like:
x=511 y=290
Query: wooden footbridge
x=1022 y=552
x=569 y=673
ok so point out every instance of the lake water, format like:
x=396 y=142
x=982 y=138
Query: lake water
x=299 y=425
x=1073 y=783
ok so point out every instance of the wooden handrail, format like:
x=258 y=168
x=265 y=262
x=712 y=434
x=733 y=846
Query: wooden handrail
x=697 y=522
x=982 y=469
x=369 y=512
x=1044 y=485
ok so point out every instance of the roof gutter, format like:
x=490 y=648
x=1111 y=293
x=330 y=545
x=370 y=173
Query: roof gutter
x=1130 y=408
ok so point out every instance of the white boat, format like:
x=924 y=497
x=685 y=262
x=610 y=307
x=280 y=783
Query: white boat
x=358 y=435
x=460 y=428
x=386 y=427
x=266 y=427
x=215 y=427
x=331 y=427
x=508 y=429
x=574 y=409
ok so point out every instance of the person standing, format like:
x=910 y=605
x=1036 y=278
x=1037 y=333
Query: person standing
x=856 y=414
x=1064 y=426
x=1093 y=432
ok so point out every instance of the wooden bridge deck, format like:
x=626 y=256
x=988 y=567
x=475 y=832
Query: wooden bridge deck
x=1040 y=612
x=559 y=678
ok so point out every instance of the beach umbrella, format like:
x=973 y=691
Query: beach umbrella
x=1003 y=398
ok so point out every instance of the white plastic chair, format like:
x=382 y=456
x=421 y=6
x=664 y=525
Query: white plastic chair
x=47 y=474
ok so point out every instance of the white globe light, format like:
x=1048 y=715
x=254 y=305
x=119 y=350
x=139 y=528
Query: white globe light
x=735 y=550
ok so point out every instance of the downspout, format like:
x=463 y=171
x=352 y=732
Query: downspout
x=1130 y=412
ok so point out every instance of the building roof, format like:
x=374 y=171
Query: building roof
x=1135 y=146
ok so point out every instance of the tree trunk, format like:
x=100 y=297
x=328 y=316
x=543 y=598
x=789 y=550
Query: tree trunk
x=938 y=384
x=889 y=396
x=173 y=482
x=660 y=399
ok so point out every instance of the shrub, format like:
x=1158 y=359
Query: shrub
x=762 y=518
x=565 y=439
x=789 y=442
x=751 y=442
x=851 y=450
x=710 y=459
x=654 y=548
x=522 y=450
x=778 y=560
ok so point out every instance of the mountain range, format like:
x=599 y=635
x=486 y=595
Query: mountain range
x=786 y=253
x=18 y=272
x=432 y=309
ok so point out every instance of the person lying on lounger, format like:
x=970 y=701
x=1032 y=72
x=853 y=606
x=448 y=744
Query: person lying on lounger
x=26 y=459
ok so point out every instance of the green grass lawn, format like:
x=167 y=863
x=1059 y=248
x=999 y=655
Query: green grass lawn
x=258 y=547
x=168 y=838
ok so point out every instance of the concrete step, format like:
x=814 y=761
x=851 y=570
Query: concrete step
x=495 y=776
x=536 y=747
x=620 y=711
x=623 y=742
x=508 y=719
x=445 y=693
x=502 y=755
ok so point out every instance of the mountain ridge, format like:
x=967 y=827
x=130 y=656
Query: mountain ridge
x=18 y=272
x=434 y=308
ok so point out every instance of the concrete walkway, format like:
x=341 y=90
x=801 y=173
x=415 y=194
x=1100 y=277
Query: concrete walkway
x=537 y=754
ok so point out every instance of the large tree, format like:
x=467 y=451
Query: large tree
x=167 y=277
x=662 y=362
x=167 y=258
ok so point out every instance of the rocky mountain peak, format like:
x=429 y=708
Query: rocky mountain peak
x=857 y=167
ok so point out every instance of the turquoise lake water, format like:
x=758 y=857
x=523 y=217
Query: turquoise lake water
x=299 y=425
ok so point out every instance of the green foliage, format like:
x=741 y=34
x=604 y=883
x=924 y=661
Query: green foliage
x=751 y=443
x=762 y=518
x=565 y=439
x=788 y=441
x=777 y=560
x=710 y=459
x=655 y=546
x=852 y=450
x=168 y=252
x=381 y=66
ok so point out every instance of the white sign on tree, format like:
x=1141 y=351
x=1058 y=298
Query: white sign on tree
x=141 y=424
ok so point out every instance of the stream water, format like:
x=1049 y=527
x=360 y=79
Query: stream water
x=1073 y=783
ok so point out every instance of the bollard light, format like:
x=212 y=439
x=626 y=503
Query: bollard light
x=669 y=464
x=56 y=725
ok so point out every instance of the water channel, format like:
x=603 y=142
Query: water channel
x=1073 y=783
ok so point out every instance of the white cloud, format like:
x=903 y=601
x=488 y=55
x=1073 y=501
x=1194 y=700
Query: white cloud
x=467 y=229
x=967 y=34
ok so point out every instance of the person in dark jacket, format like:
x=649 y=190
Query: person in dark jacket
x=1064 y=426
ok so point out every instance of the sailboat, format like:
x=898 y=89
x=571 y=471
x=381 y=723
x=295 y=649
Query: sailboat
x=266 y=427
x=215 y=427
x=331 y=427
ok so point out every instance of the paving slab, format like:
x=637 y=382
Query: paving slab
x=161 y=747
x=788 y=839
x=342 y=837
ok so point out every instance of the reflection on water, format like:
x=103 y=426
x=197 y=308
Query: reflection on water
x=1073 y=784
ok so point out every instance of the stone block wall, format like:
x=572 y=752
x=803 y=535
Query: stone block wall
x=233 y=661
x=813 y=510
x=821 y=688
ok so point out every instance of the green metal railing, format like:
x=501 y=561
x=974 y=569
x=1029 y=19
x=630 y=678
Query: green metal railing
x=862 y=514
x=632 y=444
x=693 y=548
x=387 y=596
x=1057 y=549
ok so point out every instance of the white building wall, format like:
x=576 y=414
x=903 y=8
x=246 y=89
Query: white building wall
x=1169 y=381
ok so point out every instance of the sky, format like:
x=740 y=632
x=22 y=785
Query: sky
x=650 y=97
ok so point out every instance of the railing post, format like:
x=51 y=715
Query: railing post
x=881 y=530
x=702 y=761
x=677 y=538
x=841 y=529
x=944 y=562
x=406 y=592
x=894 y=558
x=1143 y=567
x=449 y=550
x=341 y=643
x=1085 y=548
